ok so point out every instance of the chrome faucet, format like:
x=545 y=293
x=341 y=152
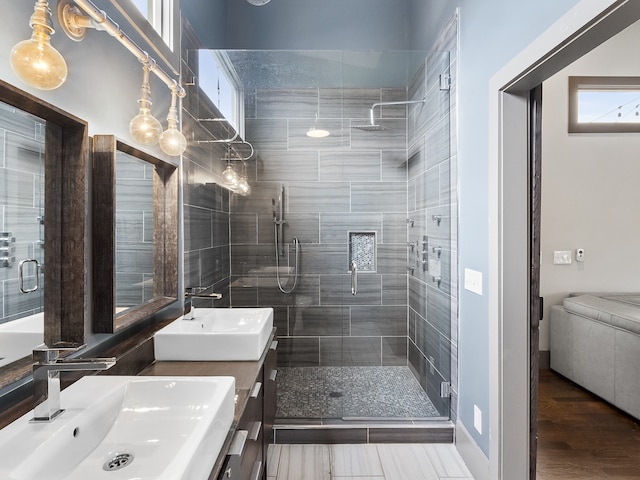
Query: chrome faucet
x=196 y=292
x=47 y=366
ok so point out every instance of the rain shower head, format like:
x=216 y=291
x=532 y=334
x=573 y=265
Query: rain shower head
x=372 y=126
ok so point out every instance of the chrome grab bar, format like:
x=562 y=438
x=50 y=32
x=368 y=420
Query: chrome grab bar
x=21 y=276
x=354 y=278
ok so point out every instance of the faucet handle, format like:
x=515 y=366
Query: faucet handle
x=60 y=347
x=49 y=353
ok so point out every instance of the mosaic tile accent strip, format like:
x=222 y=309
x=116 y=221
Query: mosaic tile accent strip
x=338 y=392
x=362 y=250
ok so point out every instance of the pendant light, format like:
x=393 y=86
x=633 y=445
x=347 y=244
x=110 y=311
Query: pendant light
x=172 y=141
x=144 y=127
x=34 y=60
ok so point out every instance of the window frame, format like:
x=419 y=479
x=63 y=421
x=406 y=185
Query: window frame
x=577 y=84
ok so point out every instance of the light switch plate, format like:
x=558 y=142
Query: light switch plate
x=562 y=257
x=473 y=281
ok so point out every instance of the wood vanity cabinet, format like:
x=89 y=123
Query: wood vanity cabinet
x=247 y=455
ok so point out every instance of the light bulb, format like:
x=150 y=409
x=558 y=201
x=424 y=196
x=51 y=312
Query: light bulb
x=230 y=176
x=243 y=186
x=34 y=60
x=145 y=128
x=172 y=141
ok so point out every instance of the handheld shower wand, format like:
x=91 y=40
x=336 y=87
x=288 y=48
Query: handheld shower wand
x=277 y=207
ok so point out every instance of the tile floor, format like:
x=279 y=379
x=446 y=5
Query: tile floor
x=366 y=462
x=361 y=392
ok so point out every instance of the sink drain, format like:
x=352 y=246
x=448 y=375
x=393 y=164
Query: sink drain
x=119 y=461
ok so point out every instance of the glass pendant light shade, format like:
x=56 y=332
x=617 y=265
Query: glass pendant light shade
x=172 y=141
x=230 y=176
x=34 y=60
x=144 y=127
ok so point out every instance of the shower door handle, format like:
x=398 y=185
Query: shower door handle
x=21 y=276
x=354 y=278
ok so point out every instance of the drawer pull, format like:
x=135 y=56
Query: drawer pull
x=238 y=443
x=273 y=375
x=255 y=431
x=256 y=474
x=274 y=345
x=255 y=391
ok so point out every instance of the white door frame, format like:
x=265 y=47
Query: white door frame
x=584 y=27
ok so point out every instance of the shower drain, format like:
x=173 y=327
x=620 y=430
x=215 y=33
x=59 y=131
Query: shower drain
x=335 y=394
x=119 y=461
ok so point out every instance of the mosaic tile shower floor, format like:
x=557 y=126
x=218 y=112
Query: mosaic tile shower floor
x=357 y=392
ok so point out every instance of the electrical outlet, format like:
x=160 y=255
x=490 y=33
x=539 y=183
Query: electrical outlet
x=562 y=257
x=473 y=281
x=477 y=419
x=579 y=254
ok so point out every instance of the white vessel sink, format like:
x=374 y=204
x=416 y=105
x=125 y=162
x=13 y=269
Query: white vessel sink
x=162 y=428
x=216 y=334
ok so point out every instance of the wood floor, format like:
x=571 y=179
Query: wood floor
x=366 y=462
x=582 y=437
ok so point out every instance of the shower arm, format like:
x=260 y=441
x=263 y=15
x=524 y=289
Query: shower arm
x=382 y=104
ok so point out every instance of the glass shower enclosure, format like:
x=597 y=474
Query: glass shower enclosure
x=366 y=334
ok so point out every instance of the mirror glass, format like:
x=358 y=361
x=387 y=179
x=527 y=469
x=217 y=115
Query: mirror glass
x=22 y=147
x=135 y=239
x=134 y=232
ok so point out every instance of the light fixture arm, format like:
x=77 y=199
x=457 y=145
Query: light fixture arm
x=74 y=23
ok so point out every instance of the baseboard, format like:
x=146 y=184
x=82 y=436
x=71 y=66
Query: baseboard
x=473 y=457
x=544 y=361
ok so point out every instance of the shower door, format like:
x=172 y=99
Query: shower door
x=22 y=147
x=379 y=197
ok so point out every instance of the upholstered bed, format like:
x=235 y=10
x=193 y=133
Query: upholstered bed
x=595 y=341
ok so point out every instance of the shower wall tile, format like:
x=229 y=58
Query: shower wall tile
x=389 y=321
x=417 y=295
x=298 y=352
x=439 y=311
x=307 y=292
x=393 y=95
x=379 y=197
x=438 y=146
x=325 y=259
x=244 y=291
x=262 y=194
x=358 y=101
x=330 y=103
x=250 y=259
x=394 y=165
x=215 y=265
x=440 y=233
x=394 y=228
x=394 y=290
x=434 y=346
x=319 y=197
x=267 y=134
x=298 y=139
x=392 y=258
x=287 y=103
x=392 y=137
x=350 y=351
x=288 y=166
x=350 y=166
x=336 y=290
x=18 y=186
x=335 y=228
x=198 y=227
x=318 y=321
x=281 y=320
x=219 y=228
x=304 y=226
x=244 y=228
x=394 y=351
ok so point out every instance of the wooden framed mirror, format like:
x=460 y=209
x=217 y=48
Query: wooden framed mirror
x=44 y=148
x=135 y=234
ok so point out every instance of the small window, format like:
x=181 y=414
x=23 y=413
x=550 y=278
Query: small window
x=219 y=82
x=159 y=13
x=604 y=104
